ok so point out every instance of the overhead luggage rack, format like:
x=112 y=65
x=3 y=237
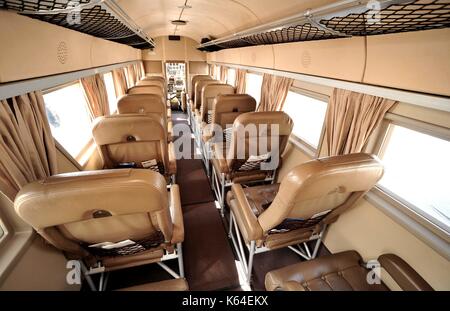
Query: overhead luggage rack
x=343 y=19
x=99 y=18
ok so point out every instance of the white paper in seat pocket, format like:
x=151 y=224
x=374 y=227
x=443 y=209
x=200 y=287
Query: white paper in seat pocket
x=111 y=245
x=320 y=214
x=149 y=163
x=259 y=158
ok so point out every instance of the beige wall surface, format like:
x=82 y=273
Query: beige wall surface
x=33 y=48
x=42 y=267
x=167 y=50
x=417 y=61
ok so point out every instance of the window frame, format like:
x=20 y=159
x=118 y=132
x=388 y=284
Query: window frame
x=386 y=199
x=310 y=150
x=82 y=157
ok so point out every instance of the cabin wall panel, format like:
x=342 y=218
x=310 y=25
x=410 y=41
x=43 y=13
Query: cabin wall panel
x=257 y=56
x=34 y=49
x=339 y=59
x=417 y=61
x=41 y=267
x=153 y=66
x=167 y=50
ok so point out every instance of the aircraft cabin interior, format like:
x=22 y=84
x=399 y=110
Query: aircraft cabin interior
x=224 y=146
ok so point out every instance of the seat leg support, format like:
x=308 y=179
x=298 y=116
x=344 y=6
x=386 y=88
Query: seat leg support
x=88 y=277
x=168 y=270
x=180 y=259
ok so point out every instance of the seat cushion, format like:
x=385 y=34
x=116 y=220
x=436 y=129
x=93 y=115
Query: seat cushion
x=337 y=272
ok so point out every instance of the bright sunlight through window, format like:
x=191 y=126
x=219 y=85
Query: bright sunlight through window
x=112 y=99
x=68 y=117
x=308 y=115
x=417 y=170
x=253 y=85
x=231 y=79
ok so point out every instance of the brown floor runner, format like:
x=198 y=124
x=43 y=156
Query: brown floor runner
x=194 y=185
x=208 y=259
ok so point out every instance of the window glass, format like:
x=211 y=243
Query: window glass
x=231 y=79
x=308 y=114
x=110 y=90
x=68 y=117
x=417 y=170
x=253 y=85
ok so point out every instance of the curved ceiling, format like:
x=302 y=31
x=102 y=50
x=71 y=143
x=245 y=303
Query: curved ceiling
x=210 y=17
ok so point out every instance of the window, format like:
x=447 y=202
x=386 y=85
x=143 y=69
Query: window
x=417 y=171
x=110 y=90
x=253 y=84
x=231 y=80
x=2 y=232
x=308 y=114
x=68 y=117
x=125 y=71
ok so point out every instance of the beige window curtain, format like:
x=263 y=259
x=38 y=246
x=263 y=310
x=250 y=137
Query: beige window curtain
x=27 y=148
x=213 y=71
x=223 y=74
x=137 y=72
x=96 y=95
x=131 y=76
x=142 y=69
x=351 y=119
x=120 y=82
x=240 y=81
x=274 y=90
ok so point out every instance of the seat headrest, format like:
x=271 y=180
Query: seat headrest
x=280 y=118
x=214 y=89
x=124 y=128
x=141 y=103
x=337 y=174
x=194 y=81
x=156 y=82
x=146 y=89
x=234 y=103
x=158 y=78
x=198 y=90
x=67 y=198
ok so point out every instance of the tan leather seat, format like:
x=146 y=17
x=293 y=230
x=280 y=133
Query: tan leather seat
x=151 y=82
x=311 y=196
x=151 y=89
x=135 y=138
x=226 y=109
x=344 y=271
x=209 y=94
x=160 y=78
x=76 y=211
x=229 y=166
x=145 y=103
x=192 y=86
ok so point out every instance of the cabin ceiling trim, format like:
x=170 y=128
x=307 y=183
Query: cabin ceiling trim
x=441 y=103
x=103 y=19
x=342 y=19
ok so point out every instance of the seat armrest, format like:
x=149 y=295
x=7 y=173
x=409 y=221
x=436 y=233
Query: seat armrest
x=244 y=216
x=403 y=274
x=176 y=214
x=172 y=159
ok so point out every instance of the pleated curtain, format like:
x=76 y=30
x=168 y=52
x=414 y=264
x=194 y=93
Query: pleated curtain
x=351 y=118
x=223 y=74
x=27 y=147
x=120 y=82
x=240 y=81
x=96 y=95
x=274 y=90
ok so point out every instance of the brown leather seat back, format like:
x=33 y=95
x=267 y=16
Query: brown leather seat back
x=151 y=82
x=147 y=89
x=209 y=93
x=194 y=80
x=141 y=103
x=134 y=138
x=198 y=92
x=259 y=125
x=158 y=78
x=74 y=210
x=228 y=107
x=328 y=186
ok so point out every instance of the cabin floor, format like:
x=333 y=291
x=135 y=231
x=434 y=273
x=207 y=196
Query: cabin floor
x=209 y=259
